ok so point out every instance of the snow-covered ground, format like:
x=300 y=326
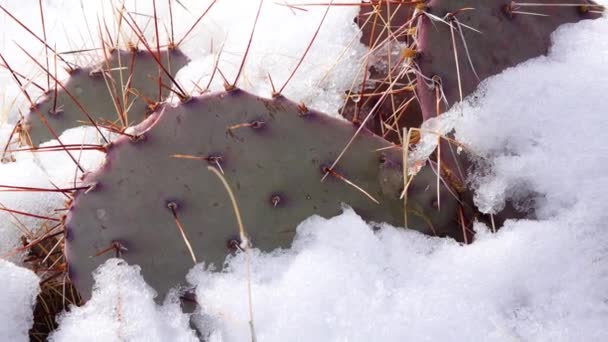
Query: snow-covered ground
x=540 y=126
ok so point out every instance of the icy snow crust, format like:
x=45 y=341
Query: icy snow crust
x=540 y=129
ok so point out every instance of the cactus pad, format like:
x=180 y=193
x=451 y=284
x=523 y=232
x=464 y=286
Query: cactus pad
x=273 y=153
x=117 y=92
x=507 y=37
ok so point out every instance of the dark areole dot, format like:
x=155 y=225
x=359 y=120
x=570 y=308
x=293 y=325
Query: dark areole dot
x=233 y=244
x=277 y=199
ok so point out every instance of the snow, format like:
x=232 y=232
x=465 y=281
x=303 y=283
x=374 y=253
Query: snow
x=538 y=129
x=41 y=170
x=13 y=226
x=60 y=168
x=548 y=137
x=331 y=67
x=17 y=299
x=342 y=282
x=122 y=309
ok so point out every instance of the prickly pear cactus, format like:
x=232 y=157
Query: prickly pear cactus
x=119 y=92
x=273 y=153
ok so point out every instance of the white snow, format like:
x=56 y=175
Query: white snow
x=543 y=125
x=331 y=67
x=17 y=299
x=122 y=309
x=342 y=282
x=45 y=170
x=60 y=168
x=12 y=226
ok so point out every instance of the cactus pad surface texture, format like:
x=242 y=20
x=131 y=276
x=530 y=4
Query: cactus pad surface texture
x=273 y=153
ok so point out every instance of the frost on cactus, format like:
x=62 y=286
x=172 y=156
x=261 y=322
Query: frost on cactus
x=509 y=33
x=273 y=153
x=119 y=92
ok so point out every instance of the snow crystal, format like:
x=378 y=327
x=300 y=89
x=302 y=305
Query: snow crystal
x=17 y=299
x=123 y=309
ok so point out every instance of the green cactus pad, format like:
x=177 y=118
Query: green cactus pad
x=273 y=154
x=130 y=85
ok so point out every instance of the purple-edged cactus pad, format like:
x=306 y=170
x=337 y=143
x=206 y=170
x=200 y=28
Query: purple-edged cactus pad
x=119 y=92
x=273 y=154
x=507 y=36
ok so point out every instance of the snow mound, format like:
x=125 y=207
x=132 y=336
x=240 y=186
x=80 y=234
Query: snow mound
x=17 y=299
x=542 y=126
x=282 y=34
x=123 y=309
x=341 y=281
